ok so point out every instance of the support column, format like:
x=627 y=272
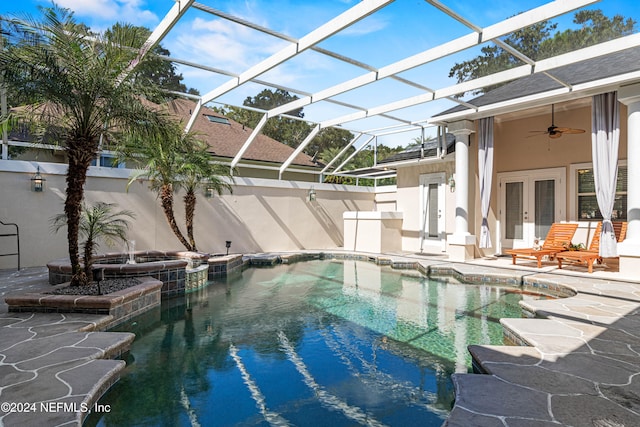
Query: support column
x=461 y=243
x=629 y=250
x=3 y=110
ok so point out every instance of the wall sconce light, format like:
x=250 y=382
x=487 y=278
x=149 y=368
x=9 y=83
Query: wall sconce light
x=227 y=245
x=452 y=184
x=312 y=194
x=37 y=182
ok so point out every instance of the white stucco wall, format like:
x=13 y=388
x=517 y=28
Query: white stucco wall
x=261 y=215
x=408 y=202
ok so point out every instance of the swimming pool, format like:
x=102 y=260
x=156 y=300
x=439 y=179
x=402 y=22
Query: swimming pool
x=312 y=343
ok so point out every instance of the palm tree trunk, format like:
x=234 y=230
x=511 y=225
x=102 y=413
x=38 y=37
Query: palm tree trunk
x=190 y=211
x=79 y=161
x=88 y=255
x=166 y=198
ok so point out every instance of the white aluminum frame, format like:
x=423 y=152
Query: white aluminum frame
x=476 y=37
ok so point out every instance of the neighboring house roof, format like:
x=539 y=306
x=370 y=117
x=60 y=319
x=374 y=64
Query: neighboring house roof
x=428 y=149
x=609 y=65
x=226 y=137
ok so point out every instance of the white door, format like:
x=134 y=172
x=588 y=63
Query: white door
x=432 y=214
x=530 y=201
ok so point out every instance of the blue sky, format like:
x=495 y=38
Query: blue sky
x=404 y=28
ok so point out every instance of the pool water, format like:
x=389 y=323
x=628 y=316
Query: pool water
x=313 y=343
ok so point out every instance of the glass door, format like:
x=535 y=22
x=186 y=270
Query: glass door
x=515 y=210
x=544 y=207
x=432 y=217
x=529 y=204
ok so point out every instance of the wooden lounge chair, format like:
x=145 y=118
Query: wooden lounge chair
x=592 y=255
x=559 y=235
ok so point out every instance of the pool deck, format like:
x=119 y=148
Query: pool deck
x=578 y=362
x=53 y=366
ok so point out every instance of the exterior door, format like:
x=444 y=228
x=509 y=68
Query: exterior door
x=530 y=201
x=432 y=215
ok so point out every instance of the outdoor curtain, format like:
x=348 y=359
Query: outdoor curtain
x=485 y=172
x=605 y=136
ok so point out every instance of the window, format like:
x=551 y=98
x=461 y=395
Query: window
x=216 y=119
x=108 y=161
x=587 y=207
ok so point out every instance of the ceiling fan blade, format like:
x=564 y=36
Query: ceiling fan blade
x=536 y=133
x=555 y=131
x=570 y=130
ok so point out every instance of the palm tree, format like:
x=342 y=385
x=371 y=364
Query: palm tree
x=199 y=172
x=163 y=158
x=97 y=222
x=173 y=160
x=82 y=95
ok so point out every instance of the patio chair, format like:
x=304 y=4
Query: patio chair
x=592 y=255
x=558 y=236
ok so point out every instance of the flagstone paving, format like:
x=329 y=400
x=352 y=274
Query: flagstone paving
x=581 y=366
x=53 y=366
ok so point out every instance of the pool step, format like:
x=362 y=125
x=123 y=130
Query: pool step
x=59 y=371
x=582 y=307
x=582 y=354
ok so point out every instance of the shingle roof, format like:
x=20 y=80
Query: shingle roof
x=613 y=64
x=225 y=140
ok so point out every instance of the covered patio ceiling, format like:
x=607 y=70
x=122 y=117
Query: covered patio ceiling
x=377 y=101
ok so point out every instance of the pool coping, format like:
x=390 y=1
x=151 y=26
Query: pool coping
x=120 y=306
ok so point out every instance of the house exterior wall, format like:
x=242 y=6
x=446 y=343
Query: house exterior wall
x=516 y=150
x=261 y=215
x=408 y=202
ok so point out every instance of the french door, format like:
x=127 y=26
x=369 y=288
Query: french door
x=432 y=211
x=529 y=202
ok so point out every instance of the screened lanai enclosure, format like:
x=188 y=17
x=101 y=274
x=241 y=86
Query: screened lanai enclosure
x=353 y=71
x=385 y=72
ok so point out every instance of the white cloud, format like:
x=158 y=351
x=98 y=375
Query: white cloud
x=104 y=13
x=369 y=25
x=222 y=44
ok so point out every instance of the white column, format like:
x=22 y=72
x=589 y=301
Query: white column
x=461 y=242
x=462 y=183
x=3 y=110
x=629 y=250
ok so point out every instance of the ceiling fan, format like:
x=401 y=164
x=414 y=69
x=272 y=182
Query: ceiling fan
x=554 y=131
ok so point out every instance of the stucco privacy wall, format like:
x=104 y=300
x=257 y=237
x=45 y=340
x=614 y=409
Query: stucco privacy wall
x=260 y=215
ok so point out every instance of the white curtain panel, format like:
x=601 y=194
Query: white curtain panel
x=605 y=136
x=485 y=172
